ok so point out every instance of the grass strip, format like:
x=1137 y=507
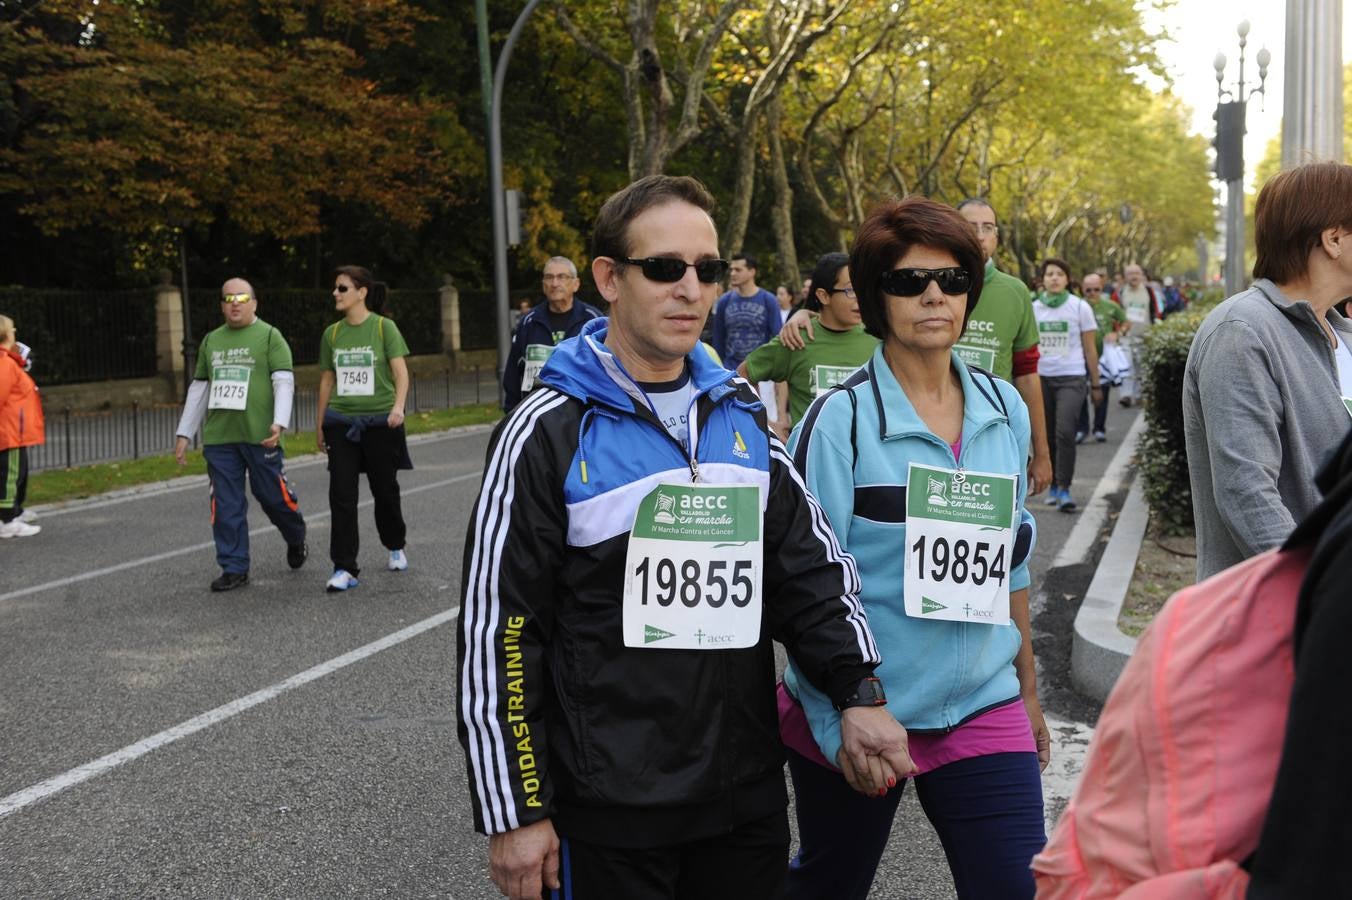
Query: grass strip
x=55 y=485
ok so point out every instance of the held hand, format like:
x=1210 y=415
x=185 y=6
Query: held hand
x=782 y=430
x=1039 y=473
x=396 y=417
x=874 y=748
x=789 y=335
x=181 y=450
x=276 y=435
x=1042 y=736
x=525 y=862
x=1110 y=337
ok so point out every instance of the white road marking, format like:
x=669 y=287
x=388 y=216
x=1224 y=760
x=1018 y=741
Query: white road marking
x=314 y=519
x=1081 y=539
x=28 y=796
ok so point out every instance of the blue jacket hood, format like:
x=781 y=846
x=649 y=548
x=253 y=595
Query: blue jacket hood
x=583 y=367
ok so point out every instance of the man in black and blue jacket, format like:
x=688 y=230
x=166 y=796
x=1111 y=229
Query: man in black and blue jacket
x=620 y=743
x=558 y=318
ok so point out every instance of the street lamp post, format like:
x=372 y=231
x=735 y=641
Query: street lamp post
x=1229 y=143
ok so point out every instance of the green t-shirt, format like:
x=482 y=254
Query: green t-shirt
x=238 y=363
x=1001 y=323
x=359 y=357
x=1108 y=314
x=825 y=362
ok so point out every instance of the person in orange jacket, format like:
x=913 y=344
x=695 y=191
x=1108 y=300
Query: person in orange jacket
x=21 y=427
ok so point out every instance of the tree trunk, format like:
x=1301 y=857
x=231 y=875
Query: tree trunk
x=781 y=213
x=743 y=182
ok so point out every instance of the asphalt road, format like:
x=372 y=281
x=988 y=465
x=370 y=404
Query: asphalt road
x=157 y=739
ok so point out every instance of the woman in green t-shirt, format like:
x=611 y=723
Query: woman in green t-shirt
x=360 y=421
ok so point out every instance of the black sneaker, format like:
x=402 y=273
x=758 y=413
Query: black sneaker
x=296 y=554
x=229 y=581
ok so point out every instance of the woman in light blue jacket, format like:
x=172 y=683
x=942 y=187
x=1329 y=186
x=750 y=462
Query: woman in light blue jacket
x=920 y=463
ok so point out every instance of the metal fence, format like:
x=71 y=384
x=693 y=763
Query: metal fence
x=84 y=335
x=80 y=438
x=302 y=314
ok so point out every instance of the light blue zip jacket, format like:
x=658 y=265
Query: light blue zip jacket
x=854 y=457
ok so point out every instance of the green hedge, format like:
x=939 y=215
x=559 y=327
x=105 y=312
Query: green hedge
x=1162 y=452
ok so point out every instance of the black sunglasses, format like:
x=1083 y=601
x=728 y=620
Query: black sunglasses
x=912 y=282
x=342 y=288
x=668 y=269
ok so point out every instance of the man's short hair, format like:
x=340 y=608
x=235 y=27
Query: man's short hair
x=976 y=201
x=572 y=269
x=1294 y=208
x=893 y=228
x=746 y=258
x=610 y=234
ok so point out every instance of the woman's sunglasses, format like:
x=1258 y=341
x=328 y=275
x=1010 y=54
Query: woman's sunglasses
x=912 y=282
x=667 y=269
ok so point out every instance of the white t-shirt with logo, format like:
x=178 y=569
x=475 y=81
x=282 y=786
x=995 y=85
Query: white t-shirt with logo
x=671 y=402
x=1060 y=349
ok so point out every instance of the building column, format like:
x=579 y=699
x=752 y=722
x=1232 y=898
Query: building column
x=169 y=330
x=1312 y=103
x=450 y=315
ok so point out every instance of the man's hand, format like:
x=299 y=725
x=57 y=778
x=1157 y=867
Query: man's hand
x=319 y=441
x=1039 y=473
x=1096 y=394
x=181 y=450
x=789 y=335
x=1042 y=736
x=396 y=417
x=276 y=435
x=1110 y=337
x=873 y=750
x=525 y=862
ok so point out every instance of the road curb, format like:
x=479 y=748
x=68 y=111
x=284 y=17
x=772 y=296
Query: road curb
x=187 y=482
x=1099 y=650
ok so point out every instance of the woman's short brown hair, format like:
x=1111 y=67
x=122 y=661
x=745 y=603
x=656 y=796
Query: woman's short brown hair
x=1294 y=208
x=889 y=232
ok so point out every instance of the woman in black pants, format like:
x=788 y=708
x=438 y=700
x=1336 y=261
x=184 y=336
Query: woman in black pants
x=360 y=422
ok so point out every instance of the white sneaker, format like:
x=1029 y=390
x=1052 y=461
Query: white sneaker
x=398 y=561
x=342 y=580
x=28 y=516
x=18 y=528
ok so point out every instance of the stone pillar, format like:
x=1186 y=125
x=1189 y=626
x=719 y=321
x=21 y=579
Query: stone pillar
x=450 y=315
x=1312 y=107
x=169 y=330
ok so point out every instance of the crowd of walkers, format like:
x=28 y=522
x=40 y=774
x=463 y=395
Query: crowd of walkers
x=852 y=480
x=927 y=396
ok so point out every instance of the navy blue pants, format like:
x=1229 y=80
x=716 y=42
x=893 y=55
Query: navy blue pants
x=227 y=465
x=987 y=811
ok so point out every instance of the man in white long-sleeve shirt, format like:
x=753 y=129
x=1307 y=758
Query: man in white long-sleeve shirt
x=244 y=387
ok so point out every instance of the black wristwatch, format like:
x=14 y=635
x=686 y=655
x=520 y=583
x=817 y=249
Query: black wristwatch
x=868 y=692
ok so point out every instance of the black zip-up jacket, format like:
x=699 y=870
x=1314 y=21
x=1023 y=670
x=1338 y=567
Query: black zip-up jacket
x=534 y=328
x=620 y=746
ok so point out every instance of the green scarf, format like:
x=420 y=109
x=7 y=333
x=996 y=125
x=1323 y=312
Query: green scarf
x=1052 y=301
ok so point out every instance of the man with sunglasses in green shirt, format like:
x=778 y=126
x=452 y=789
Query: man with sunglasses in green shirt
x=243 y=387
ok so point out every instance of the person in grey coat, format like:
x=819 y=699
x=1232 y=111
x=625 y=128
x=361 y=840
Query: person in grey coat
x=1266 y=376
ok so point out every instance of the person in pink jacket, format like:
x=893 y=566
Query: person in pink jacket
x=1203 y=723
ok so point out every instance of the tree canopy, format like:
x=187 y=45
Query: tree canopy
x=283 y=137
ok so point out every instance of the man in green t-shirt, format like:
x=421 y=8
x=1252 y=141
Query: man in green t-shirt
x=841 y=346
x=1001 y=336
x=244 y=386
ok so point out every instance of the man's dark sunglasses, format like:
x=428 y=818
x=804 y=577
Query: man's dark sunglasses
x=668 y=269
x=912 y=282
